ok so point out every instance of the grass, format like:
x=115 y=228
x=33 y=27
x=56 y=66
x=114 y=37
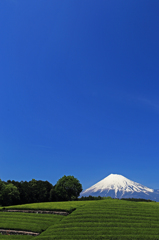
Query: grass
x=105 y=219
x=108 y=219
x=15 y=237
x=27 y=221
x=56 y=206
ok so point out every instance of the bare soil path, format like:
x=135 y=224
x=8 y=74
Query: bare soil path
x=16 y=232
x=38 y=211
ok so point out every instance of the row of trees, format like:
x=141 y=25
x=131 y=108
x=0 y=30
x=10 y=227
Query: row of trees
x=13 y=192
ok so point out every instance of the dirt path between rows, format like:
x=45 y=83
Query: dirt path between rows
x=15 y=232
x=38 y=211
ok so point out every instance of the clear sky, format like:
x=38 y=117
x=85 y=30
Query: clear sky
x=79 y=90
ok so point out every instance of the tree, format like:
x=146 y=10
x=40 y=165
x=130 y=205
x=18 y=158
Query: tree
x=32 y=191
x=10 y=195
x=68 y=188
x=40 y=190
x=2 y=186
x=53 y=196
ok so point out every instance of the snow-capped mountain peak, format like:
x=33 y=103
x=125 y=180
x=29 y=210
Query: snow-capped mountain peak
x=116 y=185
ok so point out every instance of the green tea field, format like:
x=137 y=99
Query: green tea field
x=109 y=219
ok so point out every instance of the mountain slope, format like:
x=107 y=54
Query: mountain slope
x=118 y=186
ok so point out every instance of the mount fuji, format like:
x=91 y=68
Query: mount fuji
x=118 y=186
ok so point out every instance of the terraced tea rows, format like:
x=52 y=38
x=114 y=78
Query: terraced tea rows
x=108 y=219
x=15 y=237
x=52 y=206
x=27 y=221
x=104 y=219
x=32 y=221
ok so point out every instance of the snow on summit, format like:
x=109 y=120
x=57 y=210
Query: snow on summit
x=118 y=186
x=119 y=183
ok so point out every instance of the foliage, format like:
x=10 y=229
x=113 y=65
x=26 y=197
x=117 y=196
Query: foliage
x=68 y=188
x=90 y=198
x=9 y=195
x=33 y=191
x=53 y=196
x=137 y=199
x=14 y=192
x=2 y=186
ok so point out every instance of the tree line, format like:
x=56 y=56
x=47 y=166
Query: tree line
x=137 y=199
x=13 y=192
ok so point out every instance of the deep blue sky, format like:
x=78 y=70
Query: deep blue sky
x=79 y=90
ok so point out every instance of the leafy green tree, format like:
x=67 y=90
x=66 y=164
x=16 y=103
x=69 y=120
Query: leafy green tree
x=44 y=191
x=68 y=188
x=40 y=190
x=10 y=195
x=2 y=186
x=25 y=192
x=53 y=195
x=32 y=191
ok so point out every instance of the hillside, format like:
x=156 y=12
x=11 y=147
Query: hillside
x=104 y=219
